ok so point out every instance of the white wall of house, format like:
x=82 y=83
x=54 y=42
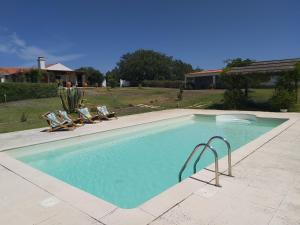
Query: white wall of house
x=104 y=83
x=124 y=83
x=2 y=79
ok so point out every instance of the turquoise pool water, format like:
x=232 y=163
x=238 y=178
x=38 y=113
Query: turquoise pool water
x=131 y=165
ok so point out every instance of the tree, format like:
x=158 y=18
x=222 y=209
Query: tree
x=112 y=77
x=180 y=68
x=150 y=65
x=285 y=94
x=243 y=81
x=145 y=65
x=35 y=75
x=237 y=62
x=234 y=97
x=94 y=76
x=197 y=69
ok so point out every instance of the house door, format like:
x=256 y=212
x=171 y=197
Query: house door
x=79 y=80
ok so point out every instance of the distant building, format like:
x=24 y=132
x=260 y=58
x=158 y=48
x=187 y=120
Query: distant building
x=104 y=83
x=124 y=83
x=212 y=78
x=57 y=72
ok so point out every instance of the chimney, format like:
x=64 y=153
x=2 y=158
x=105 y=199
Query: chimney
x=41 y=63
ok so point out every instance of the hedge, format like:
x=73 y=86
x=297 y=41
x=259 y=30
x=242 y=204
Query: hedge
x=21 y=91
x=163 y=83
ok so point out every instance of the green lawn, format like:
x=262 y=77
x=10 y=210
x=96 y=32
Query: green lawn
x=121 y=100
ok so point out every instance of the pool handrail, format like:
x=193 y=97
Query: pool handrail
x=206 y=146
x=228 y=155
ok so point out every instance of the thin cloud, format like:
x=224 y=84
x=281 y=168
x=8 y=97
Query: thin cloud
x=13 y=44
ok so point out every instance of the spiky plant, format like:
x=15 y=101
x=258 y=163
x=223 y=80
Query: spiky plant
x=71 y=98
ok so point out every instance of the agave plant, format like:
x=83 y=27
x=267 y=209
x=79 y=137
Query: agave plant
x=71 y=98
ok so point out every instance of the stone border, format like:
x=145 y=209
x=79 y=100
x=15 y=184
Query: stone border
x=108 y=213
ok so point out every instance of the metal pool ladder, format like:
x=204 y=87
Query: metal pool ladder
x=207 y=146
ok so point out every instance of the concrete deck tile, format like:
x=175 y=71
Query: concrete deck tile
x=128 y=216
x=24 y=203
x=69 y=216
x=282 y=219
x=245 y=213
x=262 y=197
x=164 y=201
x=194 y=210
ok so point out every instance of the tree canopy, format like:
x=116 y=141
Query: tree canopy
x=234 y=96
x=150 y=65
x=112 y=77
x=180 y=68
x=237 y=62
x=35 y=75
x=94 y=76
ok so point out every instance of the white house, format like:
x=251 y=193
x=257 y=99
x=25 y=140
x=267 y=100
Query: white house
x=57 y=72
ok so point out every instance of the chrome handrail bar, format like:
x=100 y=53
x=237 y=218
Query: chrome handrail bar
x=188 y=159
x=228 y=155
x=203 y=150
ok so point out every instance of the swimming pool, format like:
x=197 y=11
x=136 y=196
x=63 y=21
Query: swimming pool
x=129 y=166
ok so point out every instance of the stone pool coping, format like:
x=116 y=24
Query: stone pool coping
x=106 y=212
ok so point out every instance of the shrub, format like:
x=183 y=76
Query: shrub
x=180 y=94
x=23 y=117
x=112 y=83
x=234 y=99
x=285 y=95
x=282 y=99
x=35 y=75
x=71 y=98
x=21 y=91
x=113 y=78
x=163 y=83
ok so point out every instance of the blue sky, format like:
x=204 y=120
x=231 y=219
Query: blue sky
x=97 y=32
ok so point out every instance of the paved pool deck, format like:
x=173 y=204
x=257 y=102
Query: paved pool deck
x=265 y=188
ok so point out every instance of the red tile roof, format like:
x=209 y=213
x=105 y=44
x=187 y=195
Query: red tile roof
x=12 y=70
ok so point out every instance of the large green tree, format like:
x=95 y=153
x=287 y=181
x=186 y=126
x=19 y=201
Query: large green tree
x=151 y=65
x=180 y=68
x=94 y=76
x=145 y=65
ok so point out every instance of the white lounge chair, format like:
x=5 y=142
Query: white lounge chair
x=86 y=116
x=56 y=124
x=64 y=115
x=104 y=113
